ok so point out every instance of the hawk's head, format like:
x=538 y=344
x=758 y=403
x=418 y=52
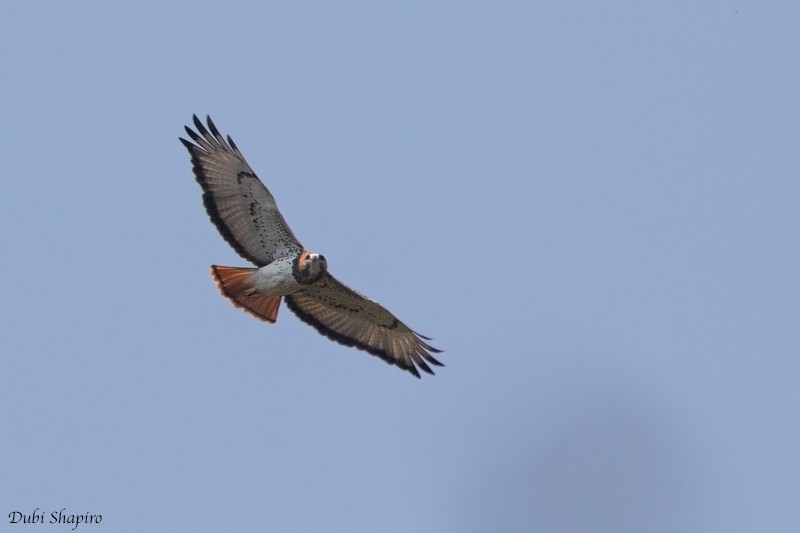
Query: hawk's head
x=308 y=267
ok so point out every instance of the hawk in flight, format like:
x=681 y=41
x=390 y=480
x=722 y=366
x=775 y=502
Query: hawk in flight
x=246 y=215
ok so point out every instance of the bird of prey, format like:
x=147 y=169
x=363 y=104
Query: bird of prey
x=245 y=213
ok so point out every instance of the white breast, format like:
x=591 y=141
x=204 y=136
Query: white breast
x=276 y=278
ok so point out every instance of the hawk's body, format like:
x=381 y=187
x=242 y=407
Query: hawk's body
x=276 y=279
x=246 y=215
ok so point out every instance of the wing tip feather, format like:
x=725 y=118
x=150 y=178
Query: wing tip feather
x=233 y=145
x=212 y=127
x=199 y=125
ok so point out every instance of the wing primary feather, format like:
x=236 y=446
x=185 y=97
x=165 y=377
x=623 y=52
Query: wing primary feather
x=233 y=145
x=199 y=125
x=202 y=142
x=430 y=348
x=192 y=133
x=421 y=363
x=187 y=144
x=214 y=131
x=432 y=360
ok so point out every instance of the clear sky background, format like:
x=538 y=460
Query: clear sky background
x=591 y=206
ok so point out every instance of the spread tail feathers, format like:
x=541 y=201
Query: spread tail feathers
x=234 y=283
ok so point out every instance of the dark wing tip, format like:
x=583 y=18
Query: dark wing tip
x=199 y=125
x=233 y=144
x=195 y=137
x=432 y=360
x=424 y=367
x=212 y=127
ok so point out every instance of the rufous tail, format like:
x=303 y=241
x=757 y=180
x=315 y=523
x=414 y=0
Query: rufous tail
x=235 y=284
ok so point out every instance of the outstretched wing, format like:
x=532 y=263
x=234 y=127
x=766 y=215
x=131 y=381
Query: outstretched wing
x=343 y=315
x=237 y=202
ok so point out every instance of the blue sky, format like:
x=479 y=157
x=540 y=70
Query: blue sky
x=592 y=208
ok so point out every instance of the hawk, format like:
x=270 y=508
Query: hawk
x=245 y=213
